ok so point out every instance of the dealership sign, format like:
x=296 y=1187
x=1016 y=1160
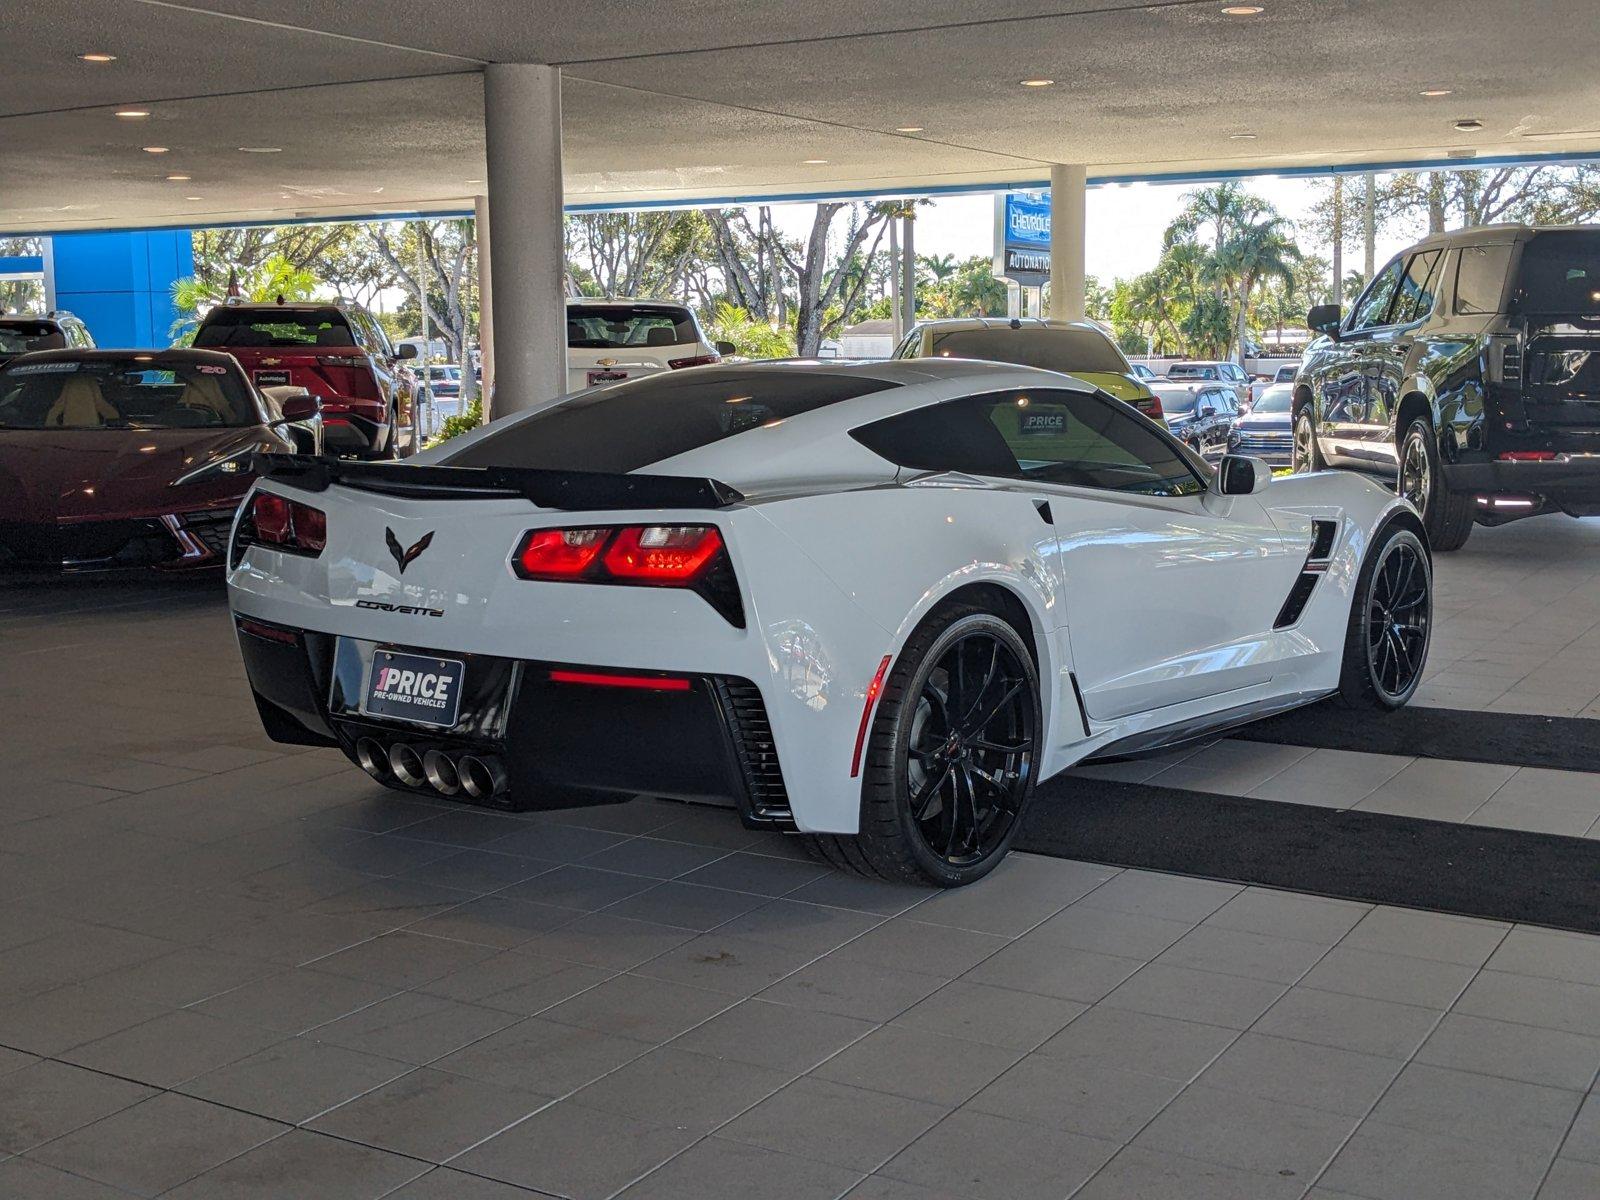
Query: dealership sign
x=1022 y=237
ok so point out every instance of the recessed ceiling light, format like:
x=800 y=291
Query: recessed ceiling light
x=260 y=149
x=1435 y=93
x=97 y=57
x=194 y=197
x=1464 y=152
x=813 y=162
x=179 y=178
x=133 y=114
x=155 y=149
x=1469 y=125
x=908 y=129
x=473 y=181
x=1241 y=137
x=1037 y=82
x=1242 y=10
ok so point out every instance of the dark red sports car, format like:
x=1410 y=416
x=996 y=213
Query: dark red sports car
x=127 y=458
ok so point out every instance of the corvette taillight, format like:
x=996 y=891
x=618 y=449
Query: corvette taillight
x=699 y=360
x=284 y=524
x=682 y=556
x=1152 y=408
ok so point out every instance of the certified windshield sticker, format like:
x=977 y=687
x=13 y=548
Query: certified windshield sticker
x=49 y=368
x=209 y=370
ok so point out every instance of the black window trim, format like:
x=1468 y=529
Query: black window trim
x=1398 y=260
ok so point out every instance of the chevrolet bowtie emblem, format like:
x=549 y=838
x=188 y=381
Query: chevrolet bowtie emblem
x=270 y=362
x=403 y=558
x=605 y=362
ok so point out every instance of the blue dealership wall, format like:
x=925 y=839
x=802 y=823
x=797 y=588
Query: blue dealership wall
x=120 y=284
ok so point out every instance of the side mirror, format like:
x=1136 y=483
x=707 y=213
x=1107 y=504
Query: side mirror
x=406 y=350
x=302 y=406
x=1208 y=410
x=1241 y=475
x=726 y=348
x=1325 y=318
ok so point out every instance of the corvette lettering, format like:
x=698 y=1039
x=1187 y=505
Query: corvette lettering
x=405 y=610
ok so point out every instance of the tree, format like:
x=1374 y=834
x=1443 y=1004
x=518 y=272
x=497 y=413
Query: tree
x=434 y=261
x=261 y=283
x=752 y=338
x=636 y=254
x=20 y=295
x=1255 y=252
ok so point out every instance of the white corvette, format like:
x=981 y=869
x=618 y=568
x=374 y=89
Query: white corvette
x=873 y=603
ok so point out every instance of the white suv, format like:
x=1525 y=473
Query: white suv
x=609 y=340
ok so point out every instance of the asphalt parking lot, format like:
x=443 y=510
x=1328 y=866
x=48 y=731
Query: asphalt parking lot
x=234 y=969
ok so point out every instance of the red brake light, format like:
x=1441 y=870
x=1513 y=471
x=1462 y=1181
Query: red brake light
x=559 y=553
x=1528 y=456
x=699 y=360
x=662 y=553
x=273 y=520
x=1152 y=409
x=287 y=524
x=648 y=683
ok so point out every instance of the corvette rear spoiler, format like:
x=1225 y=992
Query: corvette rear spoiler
x=571 y=490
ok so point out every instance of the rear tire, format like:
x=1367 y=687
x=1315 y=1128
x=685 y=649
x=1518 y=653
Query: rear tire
x=950 y=762
x=1446 y=515
x=1391 y=623
x=1306 y=454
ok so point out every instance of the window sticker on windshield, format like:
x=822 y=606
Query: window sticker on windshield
x=208 y=370
x=1042 y=424
x=49 y=368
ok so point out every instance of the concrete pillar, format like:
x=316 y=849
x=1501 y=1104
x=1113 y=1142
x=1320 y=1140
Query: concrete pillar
x=522 y=133
x=1069 y=192
x=896 y=313
x=1369 y=224
x=480 y=207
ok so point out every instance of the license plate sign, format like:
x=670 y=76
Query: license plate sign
x=410 y=687
x=272 y=378
x=606 y=376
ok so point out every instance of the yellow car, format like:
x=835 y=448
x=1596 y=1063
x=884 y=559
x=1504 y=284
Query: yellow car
x=1079 y=348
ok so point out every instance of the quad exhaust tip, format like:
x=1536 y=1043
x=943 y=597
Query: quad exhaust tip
x=442 y=773
x=482 y=777
x=373 y=758
x=406 y=764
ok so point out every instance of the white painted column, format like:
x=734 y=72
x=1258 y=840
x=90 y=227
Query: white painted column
x=480 y=209
x=522 y=134
x=1069 y=193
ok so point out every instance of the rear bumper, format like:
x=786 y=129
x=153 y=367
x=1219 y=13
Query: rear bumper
x=1571 y=484
x=182 y=541
x=562 y=744
x=355 y=426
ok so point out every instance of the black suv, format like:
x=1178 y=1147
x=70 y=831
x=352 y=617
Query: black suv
x=1468 y=372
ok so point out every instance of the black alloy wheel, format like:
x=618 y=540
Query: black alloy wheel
x=1399 y=616
x=951 y=759
x=970 y=754
x=1391 y=622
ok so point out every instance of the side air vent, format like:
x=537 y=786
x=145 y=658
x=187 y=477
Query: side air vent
x=1323 y=536
x=766 y=800
x=1511 y=364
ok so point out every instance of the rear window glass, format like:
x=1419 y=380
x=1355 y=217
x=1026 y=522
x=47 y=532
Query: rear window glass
x=1180 y=371
x=126 y=393
x=1066 y=350
x=615 y=326
x=1176 y=399
x=19 y=337
x=631 y=425
x=246 y=327
x=1275 y=399
x=1560 y=273
x=1481 y=278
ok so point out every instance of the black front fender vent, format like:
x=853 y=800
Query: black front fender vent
x=1324 y=534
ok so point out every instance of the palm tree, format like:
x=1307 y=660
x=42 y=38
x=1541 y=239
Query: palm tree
x=1223 y=208
x=1257 y=251
x=939 y=267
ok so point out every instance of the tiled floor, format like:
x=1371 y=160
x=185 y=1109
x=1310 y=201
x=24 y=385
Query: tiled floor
x=230 y=971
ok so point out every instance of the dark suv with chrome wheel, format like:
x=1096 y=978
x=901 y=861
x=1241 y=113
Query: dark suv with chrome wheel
x=1468 y=372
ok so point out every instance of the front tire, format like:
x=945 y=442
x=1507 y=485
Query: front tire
x=1446 y=515
x=951 y=760
x=1391 y=623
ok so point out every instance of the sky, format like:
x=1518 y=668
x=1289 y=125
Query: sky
x=1125 y=223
